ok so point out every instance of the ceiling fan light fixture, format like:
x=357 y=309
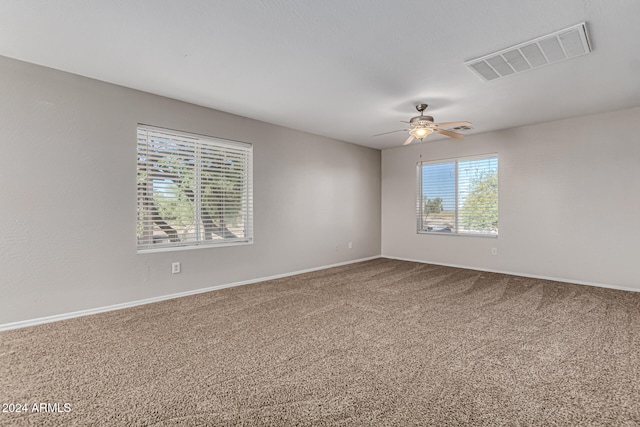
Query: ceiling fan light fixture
x=422 y=126
x=421 y=132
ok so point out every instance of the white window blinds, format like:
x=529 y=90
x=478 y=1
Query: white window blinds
x=192 y=190
x=458 y=196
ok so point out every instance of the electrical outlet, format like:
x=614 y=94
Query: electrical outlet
x=175 y=268
x=494 y=251
x=350 y=245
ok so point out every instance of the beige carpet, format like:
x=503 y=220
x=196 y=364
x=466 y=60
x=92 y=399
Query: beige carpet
x=382 y=342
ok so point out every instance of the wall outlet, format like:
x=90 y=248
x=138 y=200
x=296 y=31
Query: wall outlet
x=175 y=268
x=350 y=245
x=494 y=251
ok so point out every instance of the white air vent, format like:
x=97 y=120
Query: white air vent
x=558 y=46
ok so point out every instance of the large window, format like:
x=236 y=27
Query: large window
x=459 y=196
x=192 y=190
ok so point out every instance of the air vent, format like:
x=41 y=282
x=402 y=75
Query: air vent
x=558 y=46
x=461 y=128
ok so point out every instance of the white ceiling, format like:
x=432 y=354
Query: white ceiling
x=346 y=69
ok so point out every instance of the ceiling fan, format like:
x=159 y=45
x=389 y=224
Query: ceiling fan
x=422 y=126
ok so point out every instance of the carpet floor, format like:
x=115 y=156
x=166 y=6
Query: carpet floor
x=381 y=342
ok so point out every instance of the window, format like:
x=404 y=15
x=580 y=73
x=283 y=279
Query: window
x=458 y=196
x=192 y=190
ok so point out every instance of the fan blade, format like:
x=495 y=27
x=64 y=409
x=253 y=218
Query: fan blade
x=452 y=124
x=449 y=133
x=408 y=141
x=393 y=131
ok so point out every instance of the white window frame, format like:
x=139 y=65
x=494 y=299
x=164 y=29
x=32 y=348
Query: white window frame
x=191 y=149
x=420 y=199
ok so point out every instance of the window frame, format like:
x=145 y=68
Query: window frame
x=420 y=229
x=199 y=145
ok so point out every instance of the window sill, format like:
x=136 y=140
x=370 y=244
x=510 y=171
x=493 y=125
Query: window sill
x=449 y=233
x=195 y=246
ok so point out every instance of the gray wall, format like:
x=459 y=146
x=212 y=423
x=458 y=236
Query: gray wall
x=68 y=215
x=569 y=198
x=569 y=201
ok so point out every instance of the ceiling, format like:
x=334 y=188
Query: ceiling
x=342 y=69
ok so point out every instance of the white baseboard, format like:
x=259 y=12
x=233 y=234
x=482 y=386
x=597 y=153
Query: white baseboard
x=533 y=276
x=57 y=317
x=64 y=316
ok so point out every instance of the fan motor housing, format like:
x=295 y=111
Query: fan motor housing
x=421 y=120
